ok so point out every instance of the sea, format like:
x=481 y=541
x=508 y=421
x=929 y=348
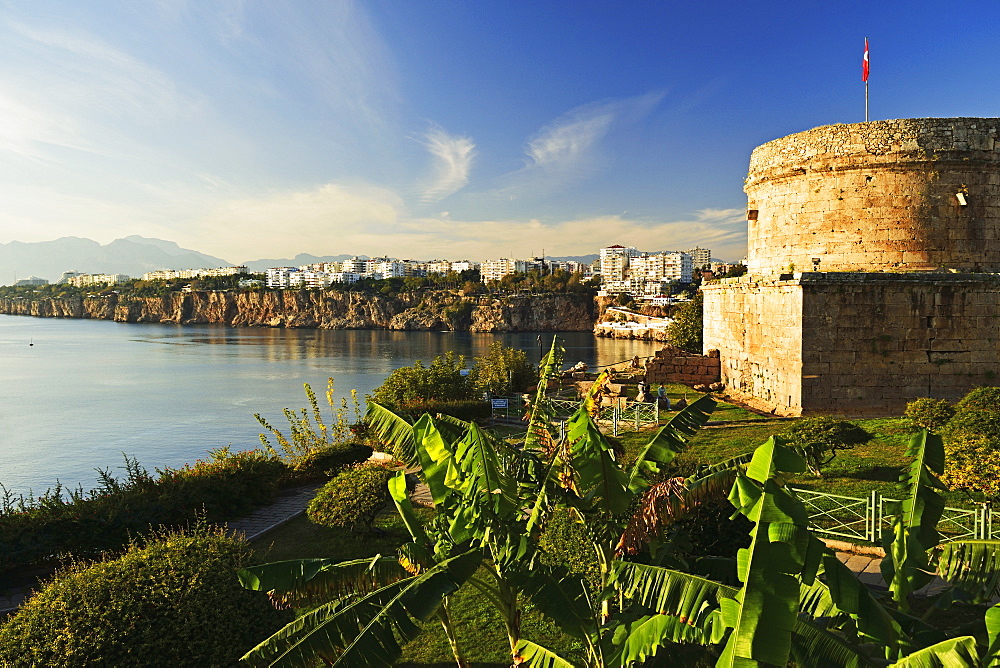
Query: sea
x=81 y=395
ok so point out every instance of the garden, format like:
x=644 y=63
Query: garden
x=688 y=544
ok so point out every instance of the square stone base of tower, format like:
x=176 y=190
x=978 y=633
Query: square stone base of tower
x=854 y=344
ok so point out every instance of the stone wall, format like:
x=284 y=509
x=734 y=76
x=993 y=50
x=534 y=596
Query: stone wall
x=868 y=342
x=673 y=365
x=882 y=195
x=757 y=328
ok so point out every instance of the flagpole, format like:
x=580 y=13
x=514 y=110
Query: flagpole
x=865 y=72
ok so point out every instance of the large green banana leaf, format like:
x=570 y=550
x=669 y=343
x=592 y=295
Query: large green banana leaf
x=782 y=553
x=539 y=436
x=958 y=652
x=367 y=630
x=905 y=567
x=600 y=479
x=310 y=581
x=392 y=430
x=534 y=655
x=972 y=566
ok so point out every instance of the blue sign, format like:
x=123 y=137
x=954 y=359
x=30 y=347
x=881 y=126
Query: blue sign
x=499 y=403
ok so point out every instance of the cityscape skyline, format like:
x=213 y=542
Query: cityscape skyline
x=441 y=129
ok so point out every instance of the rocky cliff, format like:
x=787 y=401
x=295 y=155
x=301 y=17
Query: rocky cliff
x=329 y=310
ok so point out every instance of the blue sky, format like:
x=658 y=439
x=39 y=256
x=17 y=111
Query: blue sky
x=432 y=128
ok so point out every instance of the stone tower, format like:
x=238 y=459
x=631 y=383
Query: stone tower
x=872 y=269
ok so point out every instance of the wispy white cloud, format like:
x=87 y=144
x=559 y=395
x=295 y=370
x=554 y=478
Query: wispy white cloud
x=569 y=148
x=92 y=73
x=452 y=157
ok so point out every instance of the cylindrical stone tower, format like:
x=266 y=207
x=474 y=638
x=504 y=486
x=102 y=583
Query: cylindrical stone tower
x=901 y=195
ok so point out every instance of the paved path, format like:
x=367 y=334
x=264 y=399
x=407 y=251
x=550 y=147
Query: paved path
x=290 y=504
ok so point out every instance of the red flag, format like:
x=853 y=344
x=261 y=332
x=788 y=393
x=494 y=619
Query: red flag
x=864 y=64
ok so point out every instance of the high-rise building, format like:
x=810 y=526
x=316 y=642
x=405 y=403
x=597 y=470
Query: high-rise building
x=700 y=256
x=615 y=261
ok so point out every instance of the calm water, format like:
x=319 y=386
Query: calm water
x=88 y=391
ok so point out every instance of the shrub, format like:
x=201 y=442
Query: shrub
x=972 y=444
x=352 y=499
x=308 y=430
x=819 y=438
x=34 y=530
x=930 y=414
x=174 y=601
x=325 y=462
x=468 y=410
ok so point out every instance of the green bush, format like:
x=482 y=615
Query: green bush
x=469 y=410
x=972 y=444
x=174 y=601
x=819 y=438
x=981 y=398
x=324 y=462
x=930 y=414
x=352 y=499
x=34 y=530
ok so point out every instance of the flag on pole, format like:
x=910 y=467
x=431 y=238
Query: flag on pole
x=864 y=64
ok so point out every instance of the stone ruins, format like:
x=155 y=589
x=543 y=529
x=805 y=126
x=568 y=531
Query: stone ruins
x=873 y=269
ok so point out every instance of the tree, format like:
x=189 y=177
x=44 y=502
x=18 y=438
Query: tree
x=503 y=370
x=685 y=330
x=972 y=444
x=418 y=384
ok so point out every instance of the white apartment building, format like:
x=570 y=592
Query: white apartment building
x=280 y=277
x=438 y=267
x=357 y=266
x=663 y=266
x=391 y=268
x=494 y=270
x=614 y=262
x=464 y=265
x=345 y=277
x=85 y=280
x=170 y=274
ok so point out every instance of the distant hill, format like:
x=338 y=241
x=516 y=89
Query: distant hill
x=584 y=259
x=133 y=255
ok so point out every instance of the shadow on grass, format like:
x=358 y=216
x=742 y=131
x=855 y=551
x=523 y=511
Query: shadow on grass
x=880 y=473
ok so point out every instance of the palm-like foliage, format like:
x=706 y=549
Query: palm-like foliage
x=794 y=599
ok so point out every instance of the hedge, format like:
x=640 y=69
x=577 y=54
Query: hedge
x=173 y=601
x=38 y=530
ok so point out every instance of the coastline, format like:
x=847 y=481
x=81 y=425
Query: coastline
x=418 y=311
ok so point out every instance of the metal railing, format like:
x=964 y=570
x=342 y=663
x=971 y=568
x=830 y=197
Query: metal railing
x=864 y=519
